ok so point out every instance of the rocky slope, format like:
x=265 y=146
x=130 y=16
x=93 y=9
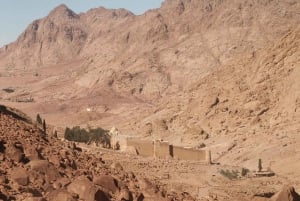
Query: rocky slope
x=36 y=166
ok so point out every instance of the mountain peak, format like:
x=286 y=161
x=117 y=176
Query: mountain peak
x=62 y=10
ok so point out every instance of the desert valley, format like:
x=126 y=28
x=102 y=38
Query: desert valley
x=217 y=80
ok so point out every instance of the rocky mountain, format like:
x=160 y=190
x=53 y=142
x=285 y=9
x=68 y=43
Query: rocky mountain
x=219 y=72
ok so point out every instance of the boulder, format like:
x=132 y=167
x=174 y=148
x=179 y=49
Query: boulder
x=3 y=179
x=107 y=182
x=117 y=166
x=38 y=165
x=31 y=153
x=14 y=153
x=3 y=196
x=125 y=195
x=145 y=184
x=288 y=193
x=150 y=191
x=20 y=176
x=101 y=196
x=62 y=182
x=84 y=188
x=61 y=195
x=48 y=170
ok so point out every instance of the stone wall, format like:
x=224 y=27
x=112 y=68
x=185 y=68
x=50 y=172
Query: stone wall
x=162 y=149
x=182 y=153
x=143 y=147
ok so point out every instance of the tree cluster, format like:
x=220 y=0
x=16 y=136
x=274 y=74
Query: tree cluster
x=78 y=134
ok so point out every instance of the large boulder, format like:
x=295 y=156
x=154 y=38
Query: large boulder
x=288 y=193
x=101 y=196
x=107 y=182
x=84 y=188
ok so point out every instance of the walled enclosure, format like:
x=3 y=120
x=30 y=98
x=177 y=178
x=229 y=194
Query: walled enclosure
x=160 y=149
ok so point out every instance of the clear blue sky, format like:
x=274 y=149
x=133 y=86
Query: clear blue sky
x=16 y=15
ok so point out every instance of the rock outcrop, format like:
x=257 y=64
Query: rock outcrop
x=288 y=193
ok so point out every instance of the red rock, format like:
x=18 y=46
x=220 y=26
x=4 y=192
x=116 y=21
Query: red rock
x=125 y=195
x=62 y=182
x=117 y=166
x=38 y=164
x=45 y=167
x=3 y=179
x=288 y=193
x=31 y=153
x=84 y=188
x=101 y=196
x=60 y=195
x=107 y=182
x=20 y=176
x=15 y=154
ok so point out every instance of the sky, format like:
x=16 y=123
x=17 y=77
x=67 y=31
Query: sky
x=16 y=15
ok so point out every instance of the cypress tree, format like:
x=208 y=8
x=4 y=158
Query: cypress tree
x=44 y=126
x=259 y=165
x=38 y=119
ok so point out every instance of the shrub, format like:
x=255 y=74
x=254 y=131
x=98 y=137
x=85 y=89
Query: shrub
x=8 y=90
x=229 y=174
